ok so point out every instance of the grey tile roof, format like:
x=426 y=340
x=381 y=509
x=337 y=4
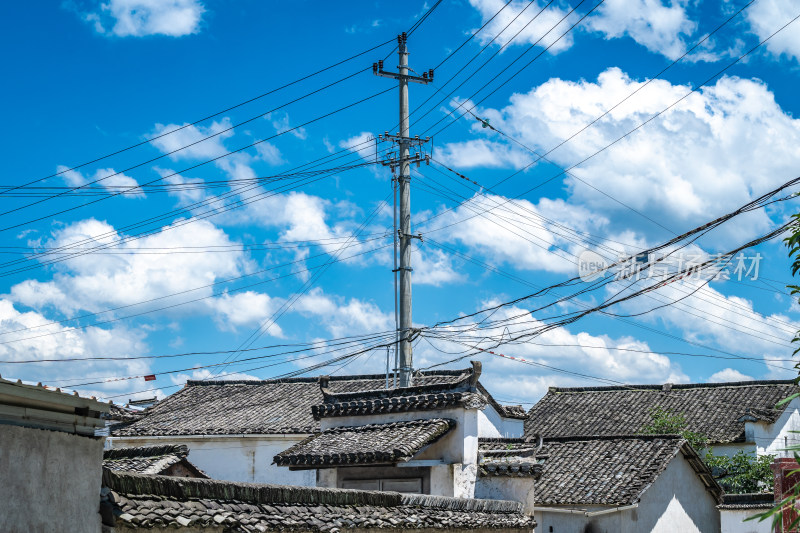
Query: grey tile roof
x=715 y=410
x=611 y=470
x=156 y=502
x=263 y=407
x=763 y=500
x=364 y=445
x=508 y=458
x=463 y=391
x=150 y=459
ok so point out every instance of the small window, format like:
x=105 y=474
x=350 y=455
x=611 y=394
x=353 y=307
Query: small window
x=408 y=486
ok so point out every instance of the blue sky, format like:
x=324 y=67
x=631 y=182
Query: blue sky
x=86 y=79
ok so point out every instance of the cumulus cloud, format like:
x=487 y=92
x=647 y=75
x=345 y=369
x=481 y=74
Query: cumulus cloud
x=139 y=18
x=247 y=308
x=706 y=316
x=592 y=355
x=433 y=267
x=659 y=27
x=107 y=178
x=768 y=16
x=190 y=142
x=131 y=271
x=344 y=317
x=691 y=163
x=728 y=374
x=29 y=335
x=521 y=17
x=524 y=235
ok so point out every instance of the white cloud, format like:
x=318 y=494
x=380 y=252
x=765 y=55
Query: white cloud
x=591 y=355
x=108 y=178
x=705 y=316
x=344 y=317
x=280 y=121
x=766 y=17
x=657 y=26
x=433 y=267
x=482 y=153
x=363 y=144
x=269 y=153
x=692 y=163
x=54 y=341
x=138 y=18
x=516 y=232
x=247 y=308
x=546 y=25
x=192 y=135
x=130 y=274
x=728 y=374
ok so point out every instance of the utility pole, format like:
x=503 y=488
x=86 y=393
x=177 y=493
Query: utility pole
x=402 y=162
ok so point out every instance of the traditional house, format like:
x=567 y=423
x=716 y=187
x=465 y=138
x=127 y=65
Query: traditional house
x=421 y=439
x=625 y=484
x=736 y=509
x=49 y=455
x=733 y=416
x=234 y=428
x=164 y=460
x=133 y=503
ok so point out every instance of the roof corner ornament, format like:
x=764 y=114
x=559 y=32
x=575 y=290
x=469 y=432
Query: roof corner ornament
x=666 y=387
x=476 y=373
x=323 y=385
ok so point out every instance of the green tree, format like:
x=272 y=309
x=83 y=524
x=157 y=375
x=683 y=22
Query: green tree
x=665 y=422
x=741 y=473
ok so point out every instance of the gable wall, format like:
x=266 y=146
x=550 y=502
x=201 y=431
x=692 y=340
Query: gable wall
x=491 y=425
x=234 y=458
x=773 y=438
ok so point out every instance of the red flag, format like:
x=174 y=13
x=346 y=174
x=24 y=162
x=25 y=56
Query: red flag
x=151 y=377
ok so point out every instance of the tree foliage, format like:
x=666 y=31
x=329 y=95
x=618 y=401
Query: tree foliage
x=741 y=473
x=665 y=422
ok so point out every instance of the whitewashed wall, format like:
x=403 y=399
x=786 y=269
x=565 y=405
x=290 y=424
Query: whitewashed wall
x=732 y=521
x=518 y=489
x=491 y=425
x=49 y=480
x=773 y=438
x=246 y=458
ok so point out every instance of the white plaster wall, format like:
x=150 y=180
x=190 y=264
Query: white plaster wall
x=678 y=501
x=518 y=489
x=491 y=425
x=246 y=458
x=729 y=450
x=772 y=439
x=50 y=481
x=732 y=521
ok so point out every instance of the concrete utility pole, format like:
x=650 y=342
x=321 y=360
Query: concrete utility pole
x=403 y=162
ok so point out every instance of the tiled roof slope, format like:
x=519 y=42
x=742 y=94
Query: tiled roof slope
x=364 y=445
x=156 y=502
x=715 y=410
x=260 y=407
x=611 y=470
x=508 y=458
x=735 y=502
x=465 y=391
x=149 y=459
